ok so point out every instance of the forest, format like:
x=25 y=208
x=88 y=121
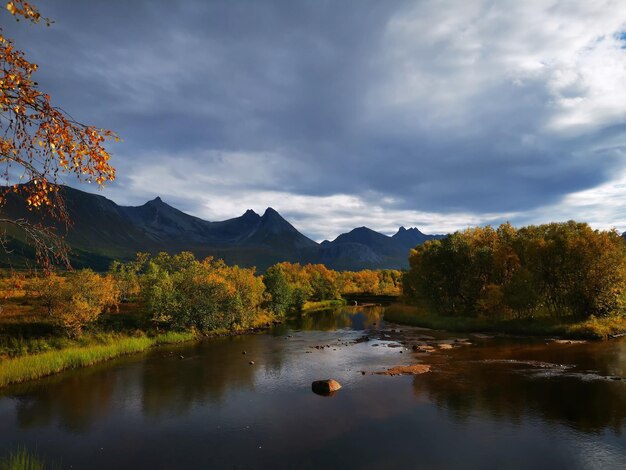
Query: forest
x=179 y=292
x=68 y=319
x=481 y=279
x=556 y=270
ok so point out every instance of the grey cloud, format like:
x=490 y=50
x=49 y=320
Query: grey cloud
x=439 y=107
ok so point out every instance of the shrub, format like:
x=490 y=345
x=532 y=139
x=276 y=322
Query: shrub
x=76 y=300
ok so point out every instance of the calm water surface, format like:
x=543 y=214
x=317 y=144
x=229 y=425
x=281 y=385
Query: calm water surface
x=498 y=402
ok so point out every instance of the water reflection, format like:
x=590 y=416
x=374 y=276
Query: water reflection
x=511 y=382
x=355 y=318
x=68 y=402
x=214 y=399
x=208 y=372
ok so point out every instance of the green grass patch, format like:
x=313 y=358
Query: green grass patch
x=604 y=327
x=593 y=328
x=35 y=366
x=22 y=460
x=322 y=305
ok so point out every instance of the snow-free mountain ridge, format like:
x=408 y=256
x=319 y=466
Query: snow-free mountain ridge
x=102 y=231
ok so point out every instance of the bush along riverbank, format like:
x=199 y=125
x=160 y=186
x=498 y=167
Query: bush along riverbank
x=590 y=328
x=557 y=278
x=35 y=366
x=97 y=348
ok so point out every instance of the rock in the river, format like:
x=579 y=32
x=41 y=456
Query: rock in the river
x=415 y=369
x=251 y=363
x=569 y=341
x=325 y=387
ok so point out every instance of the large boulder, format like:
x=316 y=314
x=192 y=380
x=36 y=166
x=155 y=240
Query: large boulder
x=325 y=387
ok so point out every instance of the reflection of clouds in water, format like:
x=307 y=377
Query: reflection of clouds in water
x=594 y=454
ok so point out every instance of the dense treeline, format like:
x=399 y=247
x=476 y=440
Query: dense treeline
x=181 y=292
x=291 y=285
x=557 y=269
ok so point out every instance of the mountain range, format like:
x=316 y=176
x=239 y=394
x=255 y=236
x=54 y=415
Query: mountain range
x=102 y=231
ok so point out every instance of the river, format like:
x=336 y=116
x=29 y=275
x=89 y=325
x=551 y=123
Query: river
x=489 y=402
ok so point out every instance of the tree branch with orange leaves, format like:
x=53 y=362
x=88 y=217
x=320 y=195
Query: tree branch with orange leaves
x=40 y=142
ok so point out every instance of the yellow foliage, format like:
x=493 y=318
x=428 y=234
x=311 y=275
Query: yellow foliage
x=76 y=300
x=39 y=142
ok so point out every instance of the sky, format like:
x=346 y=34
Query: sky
x=437 y=114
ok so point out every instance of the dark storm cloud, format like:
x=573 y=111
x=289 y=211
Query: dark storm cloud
x=467 y=108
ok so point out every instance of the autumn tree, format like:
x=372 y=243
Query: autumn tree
x=557 y=269
x=76 y=300
x=126 y=276
x=39 y=143
x=323 y=282
x=181 y=292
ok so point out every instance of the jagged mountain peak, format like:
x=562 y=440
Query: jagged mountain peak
x=102 y=230
x=250 y=216
x=275 y=222
x=273 y=230
x=273 y=213
x=158 y=203
x=411 y=230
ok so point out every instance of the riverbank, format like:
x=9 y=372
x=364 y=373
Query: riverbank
x=322 y=305
x=99 y=348
x=593 y=328
x=36 y=366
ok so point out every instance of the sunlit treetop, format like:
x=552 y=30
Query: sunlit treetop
x=38 y=141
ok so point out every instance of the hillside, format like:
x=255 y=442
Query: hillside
x=102 y=231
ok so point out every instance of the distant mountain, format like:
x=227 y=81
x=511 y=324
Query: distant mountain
x=274 y=231
x=365 y=247
x=412 y=237
x=102 y=231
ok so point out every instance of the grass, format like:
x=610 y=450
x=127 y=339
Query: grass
x=22 y=460
x=598 y=327
x=34 y=358
x=322 y=305
x=35 y=366
x=592 y=328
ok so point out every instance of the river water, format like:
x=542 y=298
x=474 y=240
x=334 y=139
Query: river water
x=489 y=402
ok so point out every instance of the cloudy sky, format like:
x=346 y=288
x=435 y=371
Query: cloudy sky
x=436 y=114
